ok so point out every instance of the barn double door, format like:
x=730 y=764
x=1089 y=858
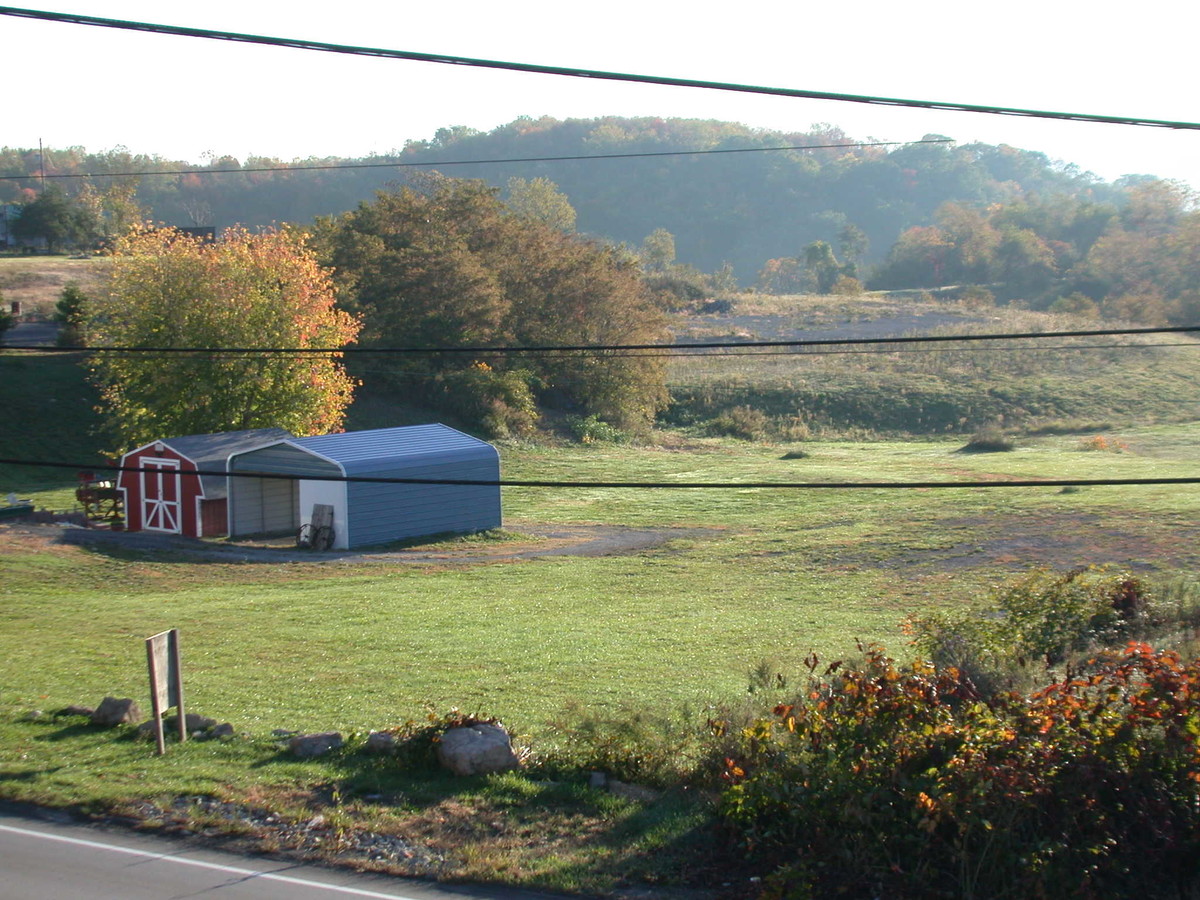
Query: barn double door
x=160 y=494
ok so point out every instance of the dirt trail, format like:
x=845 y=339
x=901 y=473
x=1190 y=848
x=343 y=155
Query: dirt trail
x=529 y=542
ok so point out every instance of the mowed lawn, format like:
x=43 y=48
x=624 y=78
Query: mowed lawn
x=770 y=574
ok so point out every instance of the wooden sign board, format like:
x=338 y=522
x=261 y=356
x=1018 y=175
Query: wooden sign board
x=166 y=683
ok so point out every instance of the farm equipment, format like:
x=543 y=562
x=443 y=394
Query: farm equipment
x=100 y=499
x=317 y=534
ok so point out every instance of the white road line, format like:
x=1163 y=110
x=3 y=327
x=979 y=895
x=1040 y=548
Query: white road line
x=232 y=870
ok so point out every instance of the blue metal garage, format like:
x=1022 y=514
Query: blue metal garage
x=366 y=513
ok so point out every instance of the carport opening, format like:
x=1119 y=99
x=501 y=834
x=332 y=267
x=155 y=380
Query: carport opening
x=264 y=507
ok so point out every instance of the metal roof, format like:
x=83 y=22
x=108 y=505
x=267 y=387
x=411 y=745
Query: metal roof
x=210 y=451
x=384 y=448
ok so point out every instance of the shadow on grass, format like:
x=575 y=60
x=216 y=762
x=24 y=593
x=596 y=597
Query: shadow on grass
x=29 y=774
x=166 y=548
x=75 y=729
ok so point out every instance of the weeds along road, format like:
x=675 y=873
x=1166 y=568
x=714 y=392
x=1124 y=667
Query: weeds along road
x=52 y=856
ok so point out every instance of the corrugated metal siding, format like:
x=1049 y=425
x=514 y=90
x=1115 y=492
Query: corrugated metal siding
x=379 y=513
x=386 y=450
x=270 y=505
x=282 y=459
x=390 y=512
x=264 y=506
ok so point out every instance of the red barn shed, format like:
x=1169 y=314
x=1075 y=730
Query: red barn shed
x=167 y=496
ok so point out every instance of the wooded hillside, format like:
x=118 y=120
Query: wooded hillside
x=742 y=208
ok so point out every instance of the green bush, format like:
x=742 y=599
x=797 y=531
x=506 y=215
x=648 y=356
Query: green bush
x=1041 y=620
x=498 y=402
x=593 y=429
x=648 y=747
x=889 y=780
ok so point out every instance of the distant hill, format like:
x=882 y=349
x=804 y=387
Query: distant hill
x=737 y=207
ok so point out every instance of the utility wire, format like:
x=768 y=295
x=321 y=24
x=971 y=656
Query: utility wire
x=777 y=353
x=606 y=348
x=447 y=59
x=471 y=162
x=637 y=485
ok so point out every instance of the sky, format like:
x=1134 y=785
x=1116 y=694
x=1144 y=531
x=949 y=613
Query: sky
x=190 y=99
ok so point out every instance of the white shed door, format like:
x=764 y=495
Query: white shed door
x=160 y=494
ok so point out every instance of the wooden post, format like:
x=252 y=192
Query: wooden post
x=153 y=647
x=176 y=681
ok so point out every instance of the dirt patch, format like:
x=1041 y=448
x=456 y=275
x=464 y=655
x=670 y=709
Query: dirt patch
x=525 y=542
x=1056 y=540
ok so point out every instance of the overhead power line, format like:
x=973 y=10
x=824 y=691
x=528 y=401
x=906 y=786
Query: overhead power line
x=470 y=162
x=676 y=353
x=606 y=348
x=638 y=485
x=447 y=59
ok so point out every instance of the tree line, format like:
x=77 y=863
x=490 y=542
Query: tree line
x=736 y=209
x=1138 y=260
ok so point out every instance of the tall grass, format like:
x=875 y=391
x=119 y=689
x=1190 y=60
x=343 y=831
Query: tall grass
x=954 y=387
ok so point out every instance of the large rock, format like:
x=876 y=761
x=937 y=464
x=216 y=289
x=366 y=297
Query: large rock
x=196 y=725
x=381 y=742
x=112 y=711
x=476 y=750
x=308 y=745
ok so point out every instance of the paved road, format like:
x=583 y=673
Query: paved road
x=63 y=859
x=24 y=333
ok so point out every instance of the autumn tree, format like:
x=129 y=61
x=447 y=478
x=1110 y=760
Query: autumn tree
x=920 y=258
x=166 y=289
x=114 y=208
x=541 y=200
x=785 y=275
x=443 y=263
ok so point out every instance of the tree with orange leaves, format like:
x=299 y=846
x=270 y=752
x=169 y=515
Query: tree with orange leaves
x=170 y=290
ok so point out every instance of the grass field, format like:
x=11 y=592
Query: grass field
x=765 y=577
x=777 y=573
x=36 y=281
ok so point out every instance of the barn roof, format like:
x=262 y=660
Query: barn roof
x=387 y=448
x=210 y=451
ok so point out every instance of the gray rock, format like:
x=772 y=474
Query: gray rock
x=113 y=711
x=309 y=745
x=381 y=742
x=197 y=725
x=634 y=792
x=225 y=729
x=194 y=722
x=476 y=750
x=76 y=711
